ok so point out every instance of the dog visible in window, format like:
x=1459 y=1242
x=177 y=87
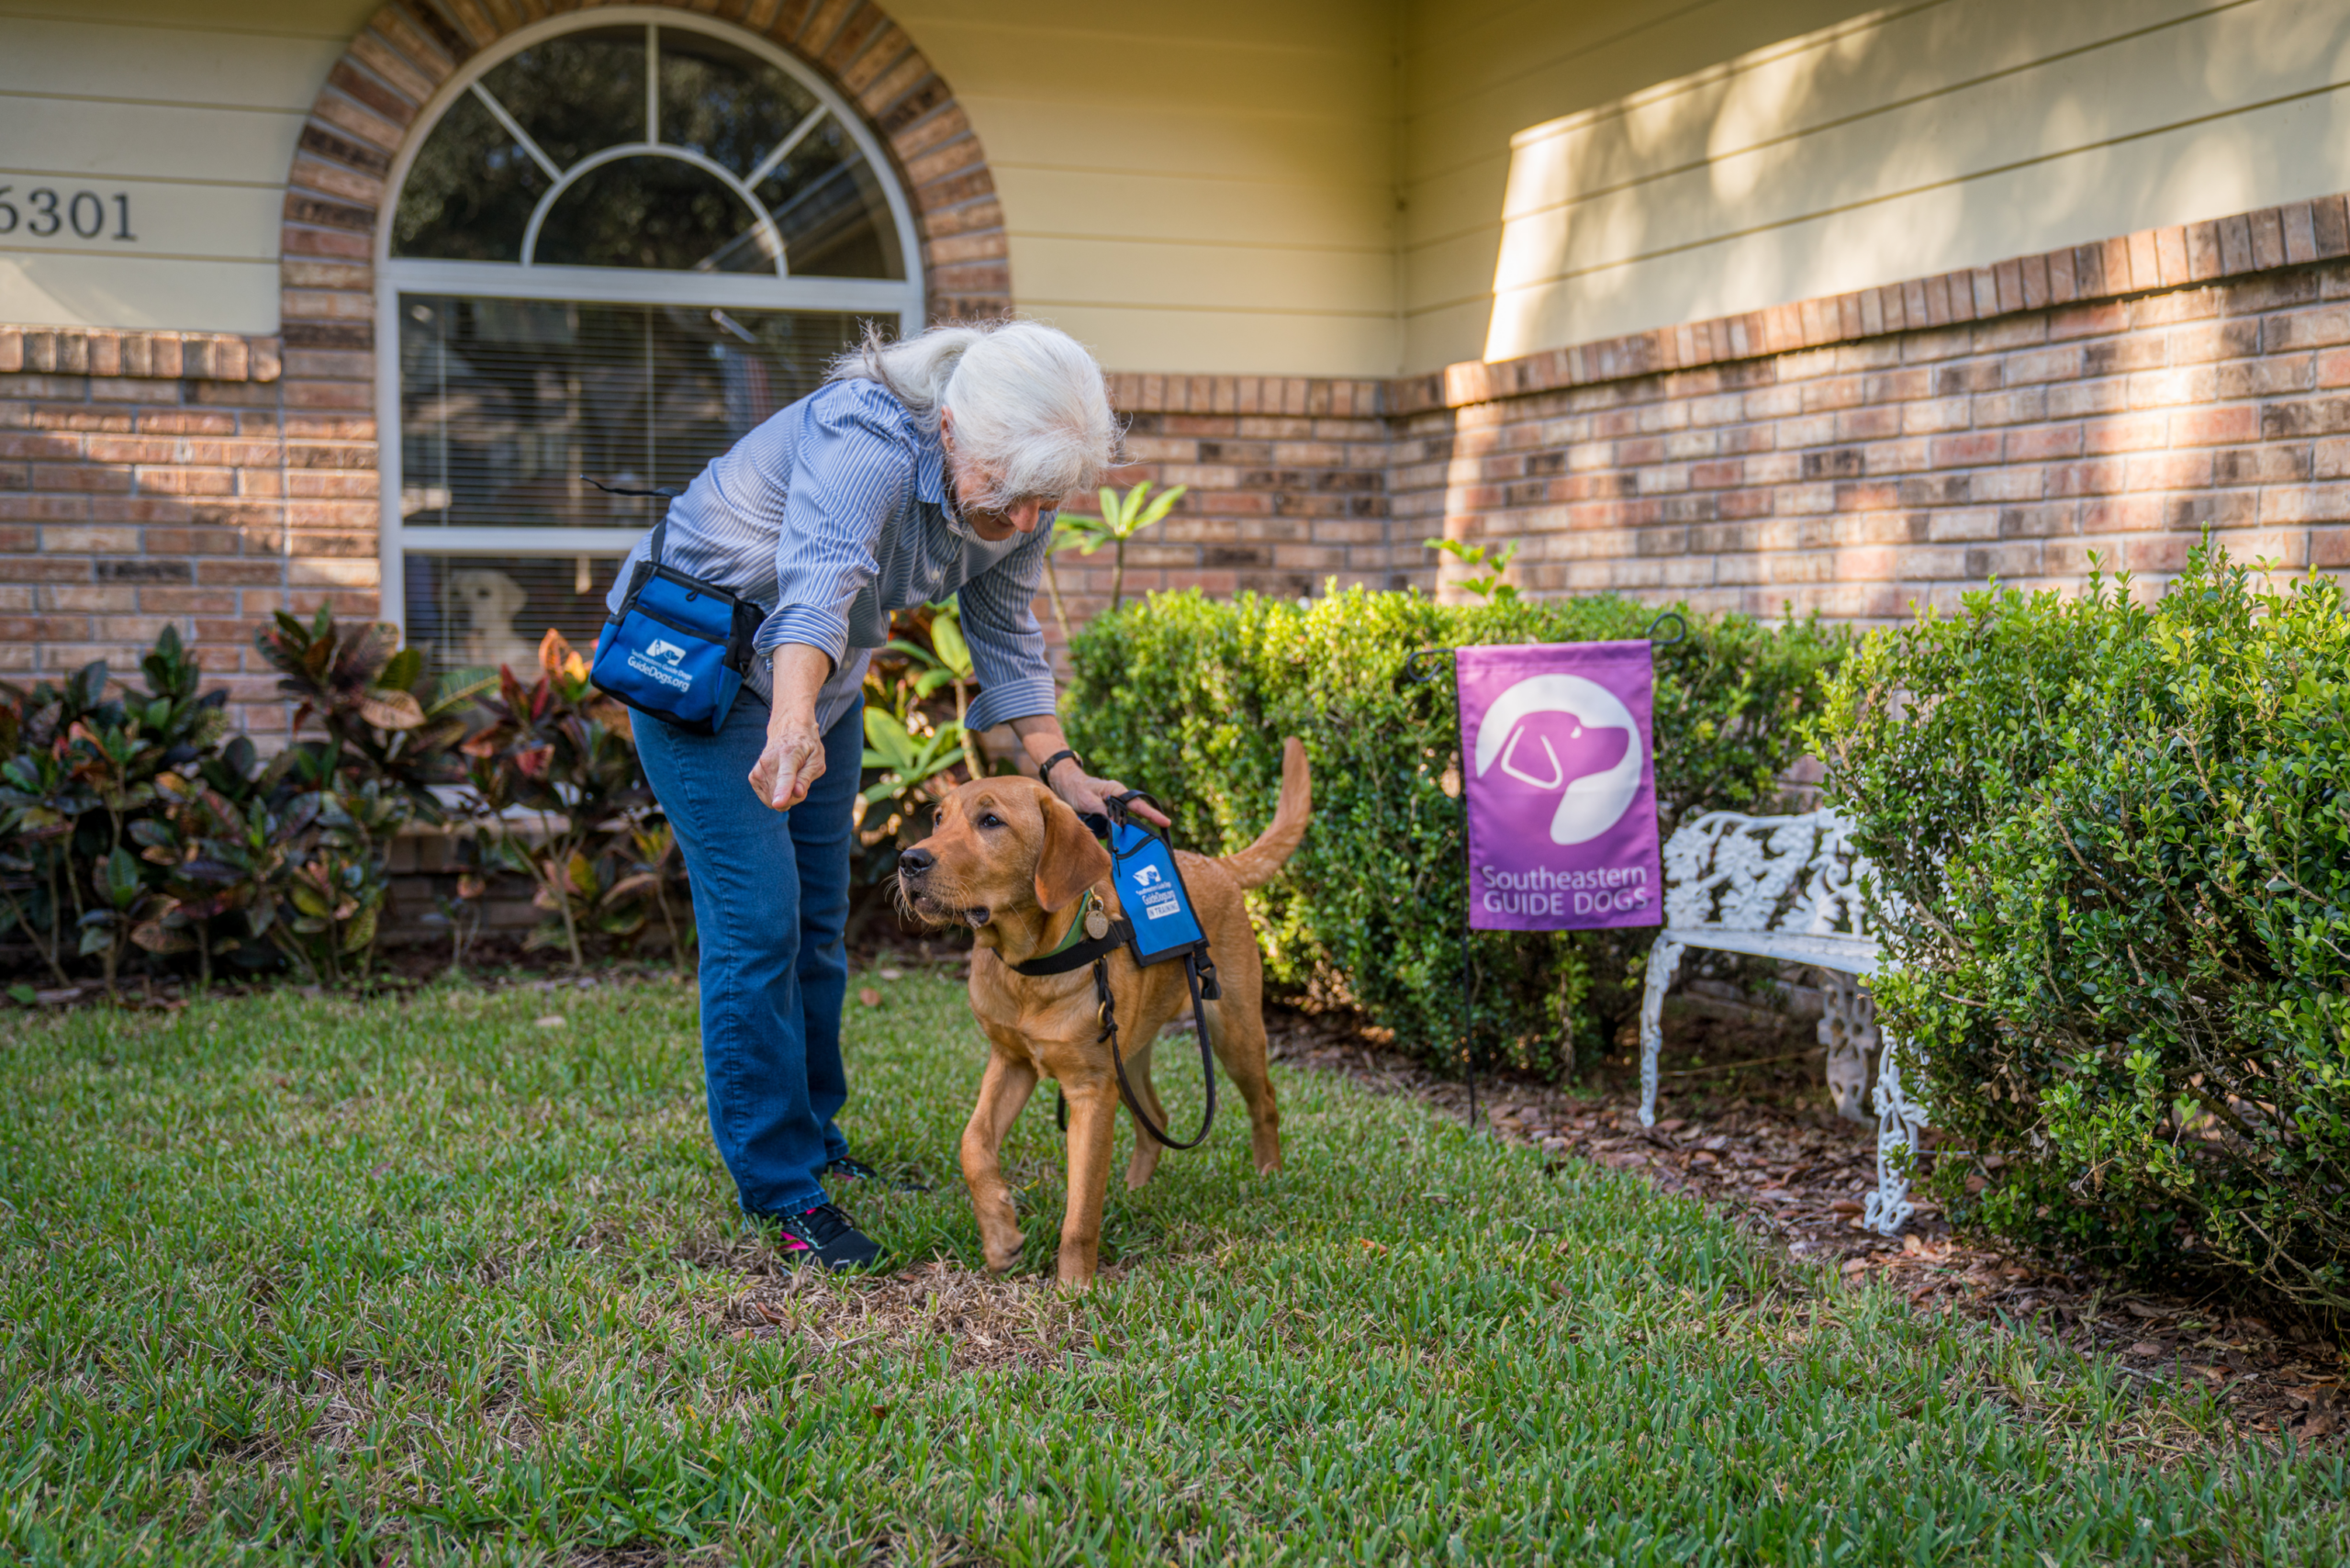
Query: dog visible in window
x=486 y=603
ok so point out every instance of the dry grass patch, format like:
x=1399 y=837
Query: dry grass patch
x=976 y=1321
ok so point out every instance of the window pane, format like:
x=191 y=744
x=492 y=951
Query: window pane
x=828 y=203
x=576 y=94
x=726 y=103
x=476 y=611
x=469 y=196
x=504 y=403
x=653 y=212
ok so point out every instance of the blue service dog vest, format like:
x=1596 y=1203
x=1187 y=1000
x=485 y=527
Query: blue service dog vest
x=1157 y=904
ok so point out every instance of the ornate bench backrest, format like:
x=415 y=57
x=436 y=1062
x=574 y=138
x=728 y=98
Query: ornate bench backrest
x=1733 y=872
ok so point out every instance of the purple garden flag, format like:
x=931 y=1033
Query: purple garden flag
x=1560 y=772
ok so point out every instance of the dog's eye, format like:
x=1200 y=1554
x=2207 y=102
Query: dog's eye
x=988 y=818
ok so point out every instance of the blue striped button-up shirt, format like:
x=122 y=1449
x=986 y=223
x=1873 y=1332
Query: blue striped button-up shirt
x=834 y=513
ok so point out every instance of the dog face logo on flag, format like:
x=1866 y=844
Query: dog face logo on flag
x=1561 y=785
x=1563 y=733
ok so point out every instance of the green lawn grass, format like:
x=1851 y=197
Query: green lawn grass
x=311 y=1280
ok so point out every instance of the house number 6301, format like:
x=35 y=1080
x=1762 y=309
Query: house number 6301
x=47 y=211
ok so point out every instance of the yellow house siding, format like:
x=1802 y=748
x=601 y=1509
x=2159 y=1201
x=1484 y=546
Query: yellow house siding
x=1839 y=153
x=1195 y=189
x=189 y=112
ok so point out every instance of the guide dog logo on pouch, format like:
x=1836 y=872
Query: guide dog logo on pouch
x=659 y=660
x=1561 y=786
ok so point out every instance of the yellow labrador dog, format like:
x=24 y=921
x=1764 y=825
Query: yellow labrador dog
x=1011 y=859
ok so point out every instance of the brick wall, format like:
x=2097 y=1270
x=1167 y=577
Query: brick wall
x=1854 y=456
x=1899 y=446
x=154 y=478
x=1287 y=480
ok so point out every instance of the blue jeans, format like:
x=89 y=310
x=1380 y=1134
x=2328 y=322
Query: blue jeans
x=770 y=902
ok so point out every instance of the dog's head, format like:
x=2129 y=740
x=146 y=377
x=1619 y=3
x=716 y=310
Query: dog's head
x=999 y=846
x=489 y=599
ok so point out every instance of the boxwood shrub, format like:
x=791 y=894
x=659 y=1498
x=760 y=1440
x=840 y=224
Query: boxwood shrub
x=2120 y=832
x=1189 y=697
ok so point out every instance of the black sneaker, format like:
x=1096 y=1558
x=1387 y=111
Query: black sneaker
x=826 y=1236
x=848 y=1169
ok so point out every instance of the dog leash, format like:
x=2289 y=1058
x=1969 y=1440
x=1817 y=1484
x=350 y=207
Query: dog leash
x=1104 y=934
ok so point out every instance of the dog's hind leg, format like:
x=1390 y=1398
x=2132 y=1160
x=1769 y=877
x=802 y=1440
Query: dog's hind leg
x=1005 y=1090
x=1146 y=1151
x=1238 y=1032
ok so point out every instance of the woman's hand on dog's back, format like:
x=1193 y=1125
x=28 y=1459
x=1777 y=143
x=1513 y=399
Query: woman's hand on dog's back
x=1088 y=796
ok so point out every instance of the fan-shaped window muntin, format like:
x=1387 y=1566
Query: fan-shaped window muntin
x=525 y=138
x=624 y=238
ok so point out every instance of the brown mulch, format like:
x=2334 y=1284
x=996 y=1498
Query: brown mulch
x=1763 y=1140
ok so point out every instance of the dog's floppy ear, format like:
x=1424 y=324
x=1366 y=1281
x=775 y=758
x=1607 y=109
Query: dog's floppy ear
x=1072 y=861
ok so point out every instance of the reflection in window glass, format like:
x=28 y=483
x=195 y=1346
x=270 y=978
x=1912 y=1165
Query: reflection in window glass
x=828 y=205
x=469 y=196
x=480 y=612
x=726 y=103
x=475 y=188
x=576 y=94
x=653 y=212
x=504 y=403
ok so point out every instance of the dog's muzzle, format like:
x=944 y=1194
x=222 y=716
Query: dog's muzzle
x=914 y=867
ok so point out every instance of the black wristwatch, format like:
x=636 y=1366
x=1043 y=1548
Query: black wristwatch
x=1045 y=769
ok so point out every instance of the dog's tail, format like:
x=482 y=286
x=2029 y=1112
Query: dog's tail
x=1256 y=864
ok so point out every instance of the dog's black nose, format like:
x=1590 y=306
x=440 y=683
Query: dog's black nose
x=917 y=860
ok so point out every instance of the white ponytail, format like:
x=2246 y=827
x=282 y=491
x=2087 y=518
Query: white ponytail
x=1031 y=411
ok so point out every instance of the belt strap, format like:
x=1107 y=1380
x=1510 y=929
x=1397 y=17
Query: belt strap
x=1077 y=949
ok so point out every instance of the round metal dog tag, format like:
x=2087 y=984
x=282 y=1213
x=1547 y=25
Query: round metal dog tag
x=1097 y=924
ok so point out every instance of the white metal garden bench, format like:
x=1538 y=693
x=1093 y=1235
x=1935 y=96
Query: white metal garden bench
x=1785 y=888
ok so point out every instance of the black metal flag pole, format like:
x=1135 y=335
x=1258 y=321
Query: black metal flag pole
x=1417 y=674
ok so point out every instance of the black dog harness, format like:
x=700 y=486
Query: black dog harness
x=1092 y=936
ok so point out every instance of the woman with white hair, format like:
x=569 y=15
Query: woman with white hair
x=919 y=468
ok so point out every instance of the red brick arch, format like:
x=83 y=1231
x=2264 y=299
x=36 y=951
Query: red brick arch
x=337 y=193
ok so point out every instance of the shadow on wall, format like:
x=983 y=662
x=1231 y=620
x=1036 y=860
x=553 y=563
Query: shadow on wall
x=1908 y=142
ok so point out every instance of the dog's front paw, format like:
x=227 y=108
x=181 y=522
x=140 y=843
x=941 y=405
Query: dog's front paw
x=1004 y=1255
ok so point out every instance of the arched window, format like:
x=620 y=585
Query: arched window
x=619 y=247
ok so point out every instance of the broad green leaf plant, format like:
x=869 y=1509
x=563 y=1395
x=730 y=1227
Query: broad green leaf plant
x=1122 y=517
x=947 y=661
x=1487 y=565
x=557 y=794
x=79 y=765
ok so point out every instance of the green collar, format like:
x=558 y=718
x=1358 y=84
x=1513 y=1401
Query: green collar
x=1076 y=933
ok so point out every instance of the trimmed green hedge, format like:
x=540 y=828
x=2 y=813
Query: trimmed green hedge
x=2122 y=831
x=1190 y=696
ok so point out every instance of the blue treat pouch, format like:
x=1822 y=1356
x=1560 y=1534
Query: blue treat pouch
x=1157 y=903
x=677 y=648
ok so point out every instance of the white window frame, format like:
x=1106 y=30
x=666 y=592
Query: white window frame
x=598 y=285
